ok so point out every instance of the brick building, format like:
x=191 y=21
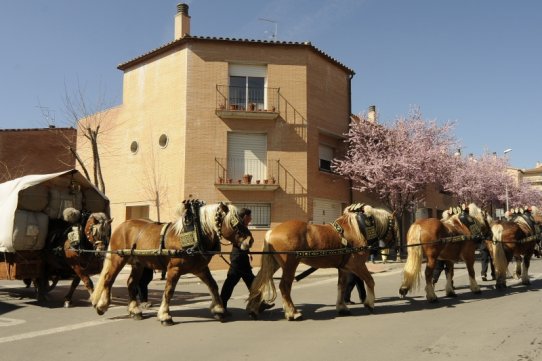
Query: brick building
x=199 y=113
x=35 y=151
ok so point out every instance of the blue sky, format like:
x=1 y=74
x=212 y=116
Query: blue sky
x=475 y=62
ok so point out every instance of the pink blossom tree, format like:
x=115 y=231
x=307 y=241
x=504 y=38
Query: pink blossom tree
x=397 y=162
x=524 y=195
x=481 y=180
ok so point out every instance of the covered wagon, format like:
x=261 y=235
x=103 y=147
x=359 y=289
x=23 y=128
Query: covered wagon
x=28 y=205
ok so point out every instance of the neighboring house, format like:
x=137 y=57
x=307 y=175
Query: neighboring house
x=199 y=113
x=532 y=176
x=35 y=151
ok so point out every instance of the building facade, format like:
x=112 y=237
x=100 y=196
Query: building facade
x=200 y=116
x=36 y=151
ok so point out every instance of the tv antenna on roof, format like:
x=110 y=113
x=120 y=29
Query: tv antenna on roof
x=274 y=36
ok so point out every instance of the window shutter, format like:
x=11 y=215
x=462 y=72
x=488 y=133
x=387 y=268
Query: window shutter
x=247 y=154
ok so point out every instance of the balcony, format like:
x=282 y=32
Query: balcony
x=247 y=103
x=231 y=174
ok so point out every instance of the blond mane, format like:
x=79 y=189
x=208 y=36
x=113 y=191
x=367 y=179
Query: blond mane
x=207 y=214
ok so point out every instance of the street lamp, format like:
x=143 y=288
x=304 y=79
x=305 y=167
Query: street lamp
x=506 y=181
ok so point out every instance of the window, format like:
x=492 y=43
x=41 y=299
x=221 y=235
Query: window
x=326 y=156
x=247 y=154
x=261 y=214
x=163 y=141
x=134 y=147
x=247 y=87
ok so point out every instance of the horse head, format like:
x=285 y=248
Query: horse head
x=98 y=230
x=223 y=220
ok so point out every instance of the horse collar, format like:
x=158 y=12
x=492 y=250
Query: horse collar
x=340 y=231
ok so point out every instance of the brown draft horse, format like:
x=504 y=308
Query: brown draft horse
x=71 y=249
x=217 y=220
x=283 y=242
x=518 y=239
x=433 y=238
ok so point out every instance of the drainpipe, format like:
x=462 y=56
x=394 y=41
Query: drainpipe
x=350 y=76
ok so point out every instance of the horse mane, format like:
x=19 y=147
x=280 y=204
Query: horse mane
x=452 y=220
x=207 y=214
x=99 y=217
x=379 y=214
x=352 y=222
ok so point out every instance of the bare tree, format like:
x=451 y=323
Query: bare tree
x=153 y=182
x=91 y=122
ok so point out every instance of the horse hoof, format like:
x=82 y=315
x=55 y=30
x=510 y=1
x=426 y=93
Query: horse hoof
x=219 y=317
x=432 y=300
x=168 y=322
x=452 y=294
x=67 y=304
x=99 y=312
x=345 y=313
x=526 y=283
x=136 y=316
x=295 y=317
x=403 y=292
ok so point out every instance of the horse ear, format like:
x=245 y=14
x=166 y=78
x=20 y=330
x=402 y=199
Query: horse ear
x=110 y=220
x=223 y=207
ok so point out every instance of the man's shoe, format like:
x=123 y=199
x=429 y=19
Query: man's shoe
x=348 y=302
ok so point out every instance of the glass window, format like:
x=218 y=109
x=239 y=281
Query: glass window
x=326 y=156
x=247 y=92
x=261 y=214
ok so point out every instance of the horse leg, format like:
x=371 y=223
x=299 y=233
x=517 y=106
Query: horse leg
x=450 y=292
x=68 y=298
x=525 y=270
x=101 y=297
x=362 y=272
x=519 y=261
x=172 y=277
x=285 y=286
x=340 y=305
x=430 y=294
x=216 y=302
x=469 y=262
x=133 y=281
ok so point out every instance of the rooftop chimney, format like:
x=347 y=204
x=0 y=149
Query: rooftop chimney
x=182 y=21
x=371 y=114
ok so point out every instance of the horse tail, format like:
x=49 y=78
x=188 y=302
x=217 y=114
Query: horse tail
x=499 y=256
x=99 y=288
x=263 y=285
x=413 y=265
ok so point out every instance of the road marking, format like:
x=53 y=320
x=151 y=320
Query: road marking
x=51 y=331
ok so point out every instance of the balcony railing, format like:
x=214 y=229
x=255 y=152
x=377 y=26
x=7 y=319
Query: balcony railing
x=247 y=102
x=247 y=174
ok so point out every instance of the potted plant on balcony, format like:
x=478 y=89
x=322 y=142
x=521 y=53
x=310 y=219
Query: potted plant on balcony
x=247 y=178
x=252 y=107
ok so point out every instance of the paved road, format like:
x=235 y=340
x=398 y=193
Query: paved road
x=493 y=325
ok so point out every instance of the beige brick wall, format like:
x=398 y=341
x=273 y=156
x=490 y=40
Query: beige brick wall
x=175 y=94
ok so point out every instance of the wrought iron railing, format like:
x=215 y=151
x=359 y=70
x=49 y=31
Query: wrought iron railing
x=247 y=99
x=239 y=170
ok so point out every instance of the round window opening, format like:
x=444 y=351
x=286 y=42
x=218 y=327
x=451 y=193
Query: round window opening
x=134 y=147
x=163 y=141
